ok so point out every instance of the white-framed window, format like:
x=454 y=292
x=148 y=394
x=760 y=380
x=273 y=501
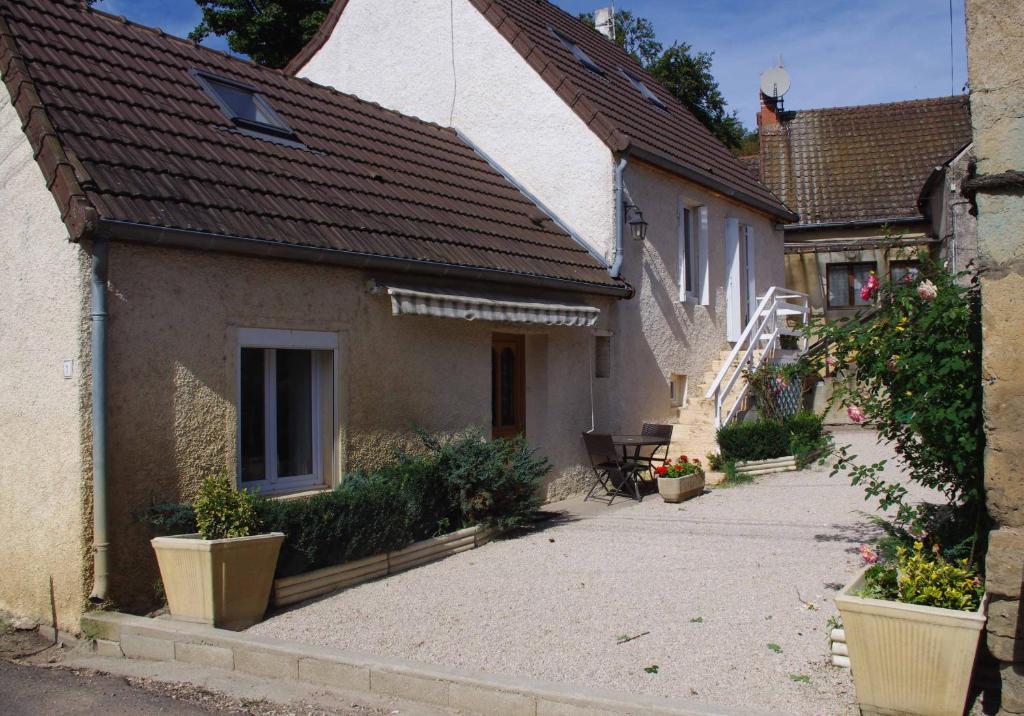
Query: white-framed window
x=286 y=409
x=693 y=253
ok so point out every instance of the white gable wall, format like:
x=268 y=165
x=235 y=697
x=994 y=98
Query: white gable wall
x=399 y=53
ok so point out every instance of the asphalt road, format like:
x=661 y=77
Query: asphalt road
x=33 y=690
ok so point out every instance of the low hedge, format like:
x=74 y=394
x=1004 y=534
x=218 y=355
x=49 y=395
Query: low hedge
x=456 y=481
x=801 y=435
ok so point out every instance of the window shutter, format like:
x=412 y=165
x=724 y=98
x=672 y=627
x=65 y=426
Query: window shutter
x=704 y=287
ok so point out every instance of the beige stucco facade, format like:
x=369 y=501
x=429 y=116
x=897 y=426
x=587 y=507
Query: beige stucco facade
x=658 y=335
x=996 y=71
x=44 y=437
x=173 y=370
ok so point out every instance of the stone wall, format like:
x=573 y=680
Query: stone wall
x=996 y=72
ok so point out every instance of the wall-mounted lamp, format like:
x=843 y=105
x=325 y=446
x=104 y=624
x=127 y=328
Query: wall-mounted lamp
x=635 y=220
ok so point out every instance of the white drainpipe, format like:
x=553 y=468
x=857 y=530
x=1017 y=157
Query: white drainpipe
x=616 y=266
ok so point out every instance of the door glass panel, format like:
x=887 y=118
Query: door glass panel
x=253 y=410
x=508 y=387
x=838 y=288
x=688 y=263
x=494 y=388
x=294 y=413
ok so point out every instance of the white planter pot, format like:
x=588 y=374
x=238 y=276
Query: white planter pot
x=906 y=658
x=677 y=489
x=221 y=582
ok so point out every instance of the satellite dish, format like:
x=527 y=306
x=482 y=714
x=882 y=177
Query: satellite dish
x=775 y=82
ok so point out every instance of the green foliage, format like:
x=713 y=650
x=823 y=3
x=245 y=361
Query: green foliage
x=774 y=648
x=682 y=71
x=222 y=511
x=170 y=518
x=733 y=477
x=913 y=369
x=755 y=440
x=492 y=482
x=800 y=678
x=652 y=669
x=771 y=386
x=457 y=481
x=715 y=461
x=928 y=579
x=271 y=32
x=680 y=467
x=807 y=436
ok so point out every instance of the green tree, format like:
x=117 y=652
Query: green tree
x=682 y=71
x=633 y=34
x=271 y=32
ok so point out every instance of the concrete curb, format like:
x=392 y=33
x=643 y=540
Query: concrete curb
x=135 y=637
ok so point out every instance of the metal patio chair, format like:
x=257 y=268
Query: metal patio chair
x=649 y=457
x=611 y=472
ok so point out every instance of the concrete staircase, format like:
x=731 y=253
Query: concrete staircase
x=693 y=433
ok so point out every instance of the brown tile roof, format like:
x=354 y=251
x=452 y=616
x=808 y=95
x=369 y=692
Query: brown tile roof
x=126 y=136
x=668 y=136
x=753 y=164
x=861 y=164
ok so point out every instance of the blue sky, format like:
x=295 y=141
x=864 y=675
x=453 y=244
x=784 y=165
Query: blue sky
x=838 y=52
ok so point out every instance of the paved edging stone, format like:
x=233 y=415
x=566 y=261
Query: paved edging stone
x=170 y=640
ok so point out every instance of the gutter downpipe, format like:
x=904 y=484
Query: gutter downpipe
x=616 y=266
x=98 y=325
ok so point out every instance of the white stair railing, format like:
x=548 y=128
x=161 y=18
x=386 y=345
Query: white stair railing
x=757 y=345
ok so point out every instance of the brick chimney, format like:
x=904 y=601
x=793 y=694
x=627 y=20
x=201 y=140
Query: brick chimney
x=769 y=114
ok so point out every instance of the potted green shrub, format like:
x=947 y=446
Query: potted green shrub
x=223 y=574
x=680 y=480
x=912 y=629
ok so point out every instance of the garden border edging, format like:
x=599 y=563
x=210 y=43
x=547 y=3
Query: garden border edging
x=117 y=634
x=300 y=587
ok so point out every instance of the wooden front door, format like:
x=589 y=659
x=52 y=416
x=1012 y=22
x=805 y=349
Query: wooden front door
x=508 y=389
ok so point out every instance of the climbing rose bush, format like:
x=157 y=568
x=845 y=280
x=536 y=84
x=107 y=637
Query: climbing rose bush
x=912 y=369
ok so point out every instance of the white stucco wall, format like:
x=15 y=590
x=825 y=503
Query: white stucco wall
x=657 y=334
x=41 y=440
x=399 y=53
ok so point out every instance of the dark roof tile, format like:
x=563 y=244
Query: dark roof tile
x=141 y=142
x=861 y=164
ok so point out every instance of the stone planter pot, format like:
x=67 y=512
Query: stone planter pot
x=222 y=582
x=677 y=489
x=906 y=658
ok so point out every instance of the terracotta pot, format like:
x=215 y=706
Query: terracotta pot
x=222 y=582
x=907 y=658
x=677 y=489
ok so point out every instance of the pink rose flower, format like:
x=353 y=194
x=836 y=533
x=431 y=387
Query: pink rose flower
x=927 y=291
x=869 y=555
x=856 y=413
x=870 y=288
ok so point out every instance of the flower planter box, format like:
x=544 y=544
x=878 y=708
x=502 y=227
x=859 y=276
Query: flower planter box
x=906 y=658
x=222 y=582
x=677 y=489
x=290 y=590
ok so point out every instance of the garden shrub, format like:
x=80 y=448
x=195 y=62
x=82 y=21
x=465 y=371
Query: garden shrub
x=807 y=436
x=170 y=518
x=222 y=511
x=451 y=482
x=761 y=439
x=912 y=369
x=494 y=482
x=930 y=580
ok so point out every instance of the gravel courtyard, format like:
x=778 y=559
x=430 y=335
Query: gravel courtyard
x=722 y=584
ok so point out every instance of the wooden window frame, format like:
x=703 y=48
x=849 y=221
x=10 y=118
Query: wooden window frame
x=903 y=263
x=851 y=293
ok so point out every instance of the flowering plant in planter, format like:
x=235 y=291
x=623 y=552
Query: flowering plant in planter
x=680 y=479
x=681 y=467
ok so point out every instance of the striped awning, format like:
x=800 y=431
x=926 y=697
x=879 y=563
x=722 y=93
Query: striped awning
x=480 y=306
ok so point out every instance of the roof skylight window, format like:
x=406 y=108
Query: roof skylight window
x=642 y=88
x=582 y=57
x=244 y=106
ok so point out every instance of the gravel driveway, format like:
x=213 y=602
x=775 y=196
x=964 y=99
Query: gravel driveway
x=720 y=583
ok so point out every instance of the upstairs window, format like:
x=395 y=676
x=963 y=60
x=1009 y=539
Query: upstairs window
x=582 y=57
x=904 y=271
x=244 y=106
x=643 y=89
x=845 y=280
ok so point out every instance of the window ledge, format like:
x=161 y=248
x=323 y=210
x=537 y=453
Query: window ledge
x=297 y=494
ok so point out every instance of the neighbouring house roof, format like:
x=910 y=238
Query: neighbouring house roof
x=753 y=164
x=662 y=132
x=861 y=165
x=132 y=145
